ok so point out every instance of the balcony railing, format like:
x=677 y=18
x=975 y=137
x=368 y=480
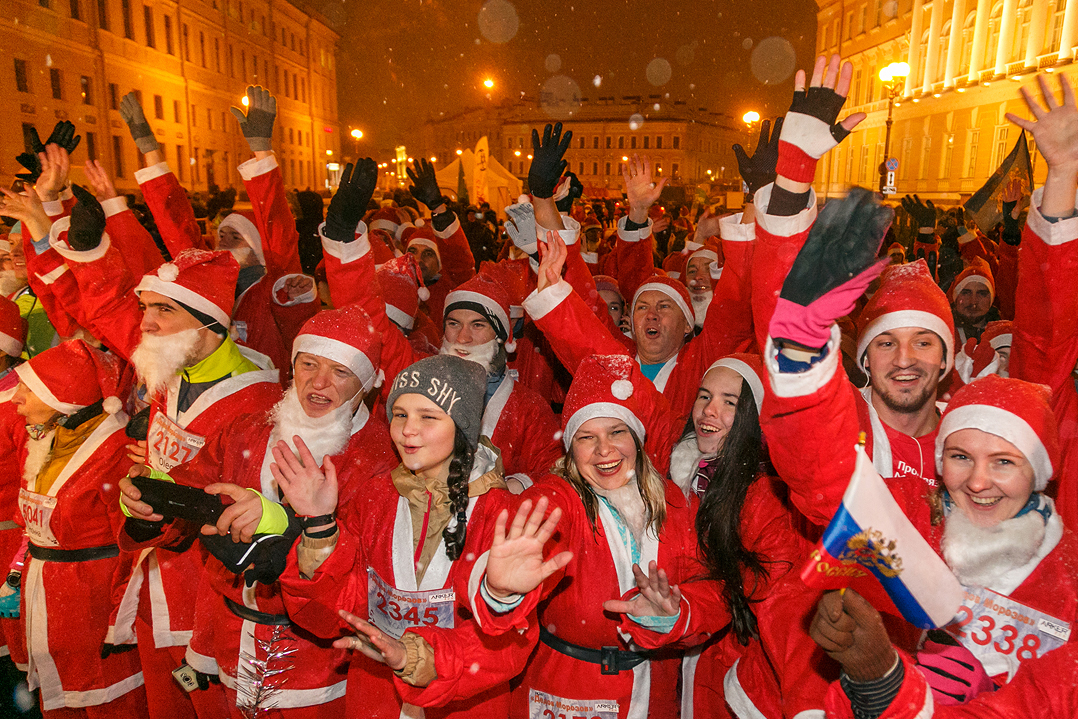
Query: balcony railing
x=1047 y=60
x=986 y=75
x=1014 y=68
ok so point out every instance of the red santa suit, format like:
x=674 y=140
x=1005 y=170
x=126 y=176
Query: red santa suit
x=71 y=515
x=373 y=561
x=455 y=260
x=12 y=547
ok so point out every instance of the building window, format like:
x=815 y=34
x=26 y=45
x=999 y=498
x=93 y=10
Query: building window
x=118 y=155
x=856 y=93
x=632 y=142
x=202 y=46
x=581 y=142
x=231 y=63
x=907 y=152
x=209 y=119
x=243 y=65
x=43 y=3
x=91 y=146
x=291 y=138
x=217 y=54
x=948 y=155
x=186 y=40
x=974 y=140
x=595 y=144
x=595 y=167
x=114 y=96
x=194 y=163
x=926 y=152
x=168 y=36
x=862 y=172
x=580 y=169
x=57 y=85
x=295 y=85
x=129 y=24
x=175 y=110
x=303 y=89
x=608 y=165
x=674 y=167
x=1001 y=145
x=647 y=142
x=621 y=143
x=194 y=118
x=86 y=89
x=22 y=80
x=609 y=140
x=76 y=11
x=677 y=142
x=181 y=163
x=158 y=107
x=658 y=142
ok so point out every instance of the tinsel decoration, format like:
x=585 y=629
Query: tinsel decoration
x=259 y=679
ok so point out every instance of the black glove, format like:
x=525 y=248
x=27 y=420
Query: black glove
x=547 y=166
x=1012 y=228
x=262 y=560
x=759 y=170
x=843 y=243
x=425 y=185
x=63 y=134
x=87 y=221
x=138 y=427
x=349 y=204
x=576 y=189
x=923 y=212
x=107 y=649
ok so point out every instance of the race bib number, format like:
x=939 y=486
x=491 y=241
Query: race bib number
x=169 y=446
x=394 y=610
x=547 y=706
x=37 y=512
x=1003 y=633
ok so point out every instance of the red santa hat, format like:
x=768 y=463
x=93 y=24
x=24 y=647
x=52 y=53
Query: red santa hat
x=242 y=222
x=606 y=282
x=714 y=270
x=387 y=218
x=382 y=248
x=73 y=375
x=897 y=247
x=200 y=279
x=513 y=278
x=981 y=358
x=483 y=295
x=5 y=243
x=977 y=272
x=751 y=369
x=673 y=289
x=12 y=328
x=424 y=237
x=1011 y=409
x=907 y=297
x=591 y=222
x=602 y=387
x=402 y=287
x=346 y=336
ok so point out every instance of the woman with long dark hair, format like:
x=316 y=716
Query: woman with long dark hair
x=394 y=569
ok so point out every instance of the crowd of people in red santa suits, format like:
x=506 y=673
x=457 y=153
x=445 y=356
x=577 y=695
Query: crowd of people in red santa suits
x=573 y=471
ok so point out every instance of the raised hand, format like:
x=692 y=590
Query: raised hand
x=373 y=642
x=100 y=181
x=425 y=185
x=707 y=226
x=257 y=124
x=349 y=203
x=850 y=630
x=26 y=207
x=547 y=163
x=822 y=100
x=656 y=597
x=141 y=132
x=297 y=286
x=31 y=158
x=520 y=226
x=55 y=167
x=1055 y=128
x=759 y=169
x=515 y=564
x=310 y=491
x=640 y=189
x=923 y=212
x=239 y=519
x=568 y=190
x=554 y=253
x=63 y=134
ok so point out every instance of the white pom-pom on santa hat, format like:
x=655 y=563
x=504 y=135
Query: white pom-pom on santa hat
x=420 y=222
x=621 y=389
x=379 y=379
x=424 y=294
x=112 y=405
x=168 y=272
x=511 y=345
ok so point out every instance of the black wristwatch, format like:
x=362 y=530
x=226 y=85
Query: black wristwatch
x=318 y=521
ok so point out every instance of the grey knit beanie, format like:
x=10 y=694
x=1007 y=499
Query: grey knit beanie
x=453 y=383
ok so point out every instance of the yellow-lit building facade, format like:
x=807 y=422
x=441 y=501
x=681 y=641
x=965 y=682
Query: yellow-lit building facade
x=190 y=61
x=966 y=61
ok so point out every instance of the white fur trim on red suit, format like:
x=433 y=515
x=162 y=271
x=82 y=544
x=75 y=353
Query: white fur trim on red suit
x=114 y=205
x=907 y=318
x=783 y=226
x=971 y=279
x=11 y=346
x=61 y=246
x=53 y=208
x=49 y=277
x=346 y=251
x=309 y=296
x=189 y=297
x=747 y=374
x=570 y=232
x=447 y=232
x=802 y=384
x=667 y=290
x=539 y=304
x=427 y=242
x=633 y=235
x=1051 y=233
x=30 y=378
x=400 y=317
x=480 y=299
x=1001 y=423
x=253 y=168
x=151 y=172
x=601 y=409
x=338 y=351
x=731 y=229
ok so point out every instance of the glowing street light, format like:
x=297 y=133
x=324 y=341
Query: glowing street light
x=488 y=83
x=433 y=158
x=517 y=153
x=329 y=153
x=894 y=80
x=894 y=71
x=751 y=117
x=460 y=152
x=357 y=135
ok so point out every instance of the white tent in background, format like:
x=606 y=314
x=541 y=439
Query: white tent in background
x=502 y=187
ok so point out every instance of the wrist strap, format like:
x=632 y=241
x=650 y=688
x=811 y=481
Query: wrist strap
x=321 y=534
x=315 y=520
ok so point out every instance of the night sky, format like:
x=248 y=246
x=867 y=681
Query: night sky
x=402 y=61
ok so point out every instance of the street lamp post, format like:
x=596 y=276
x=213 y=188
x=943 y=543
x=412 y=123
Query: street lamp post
x=894 y=79
x=357 y=135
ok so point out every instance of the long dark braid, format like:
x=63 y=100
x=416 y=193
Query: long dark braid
x=459 y=470
x=718 y=521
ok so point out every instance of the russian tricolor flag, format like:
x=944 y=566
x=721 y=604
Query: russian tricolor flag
x=870 y=536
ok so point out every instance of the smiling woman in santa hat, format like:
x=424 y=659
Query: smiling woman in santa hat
x=402 y=586
x=69 y=396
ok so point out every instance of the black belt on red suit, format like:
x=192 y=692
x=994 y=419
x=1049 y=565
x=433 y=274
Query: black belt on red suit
x=252 y=615
x=611 y=660
x=52 y=554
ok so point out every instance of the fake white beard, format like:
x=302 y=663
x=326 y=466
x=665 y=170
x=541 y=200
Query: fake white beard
x=37 y=453
x=159 y=358
x=979 y=556
x=699 y=307
x=9 y=283
x=325 y=435
x=483 y=354
x=629 y=505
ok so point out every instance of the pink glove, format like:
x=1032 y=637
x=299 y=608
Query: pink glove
x=955 y=675
x=811 y=326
